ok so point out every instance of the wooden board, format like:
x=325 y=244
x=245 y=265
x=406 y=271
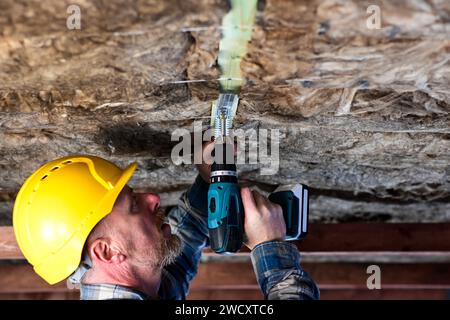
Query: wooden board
x=223 y=277
x=332 y=237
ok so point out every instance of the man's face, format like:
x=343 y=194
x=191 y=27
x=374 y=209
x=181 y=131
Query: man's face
x=137 y=221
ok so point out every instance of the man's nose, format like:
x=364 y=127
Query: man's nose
x=152 y=200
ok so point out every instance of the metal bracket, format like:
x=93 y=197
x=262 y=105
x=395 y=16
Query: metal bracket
x=223 y=112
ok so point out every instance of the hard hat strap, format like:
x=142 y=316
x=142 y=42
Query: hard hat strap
x=84 y=266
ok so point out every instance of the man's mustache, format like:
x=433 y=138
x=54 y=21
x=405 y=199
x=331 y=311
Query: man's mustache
x=161 y=217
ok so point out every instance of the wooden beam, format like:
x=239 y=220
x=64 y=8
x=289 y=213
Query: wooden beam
x=223 y=276
x=335 y=255
x=344 y=275
x=346 y=257
x=331 y=237
x=377 y=237
x=8 y=245
x=22 y=278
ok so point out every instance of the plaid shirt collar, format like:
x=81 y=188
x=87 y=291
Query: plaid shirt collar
x=109 y=292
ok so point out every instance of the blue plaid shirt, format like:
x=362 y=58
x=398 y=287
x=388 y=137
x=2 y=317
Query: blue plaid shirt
x=276 y=263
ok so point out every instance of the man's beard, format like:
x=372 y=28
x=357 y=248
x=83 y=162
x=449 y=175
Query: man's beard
x=170 y=248
x=164 y=252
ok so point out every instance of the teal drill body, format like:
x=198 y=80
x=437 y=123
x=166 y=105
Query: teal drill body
x=225 y=217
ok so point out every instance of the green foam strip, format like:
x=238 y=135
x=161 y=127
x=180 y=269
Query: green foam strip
x=237 y=27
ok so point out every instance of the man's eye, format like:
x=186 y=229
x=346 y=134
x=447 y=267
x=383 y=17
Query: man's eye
x=134 y=205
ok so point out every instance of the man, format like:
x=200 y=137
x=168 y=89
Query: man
x=78 y=213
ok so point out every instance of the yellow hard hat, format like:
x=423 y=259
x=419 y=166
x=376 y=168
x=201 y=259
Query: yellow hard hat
x=59 y=205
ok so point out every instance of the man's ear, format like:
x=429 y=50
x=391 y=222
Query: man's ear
x=104 y=251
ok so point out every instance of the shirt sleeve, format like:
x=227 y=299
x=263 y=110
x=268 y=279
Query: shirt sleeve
x=189 y=221
x=277 y=268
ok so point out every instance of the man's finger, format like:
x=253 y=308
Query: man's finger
x=259 y=199
x=277 y=208
x=247 y=200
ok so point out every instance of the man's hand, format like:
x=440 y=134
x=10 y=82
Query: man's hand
x=263 y=219
x=204 y=169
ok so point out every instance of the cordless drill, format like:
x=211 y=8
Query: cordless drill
x=225 y=209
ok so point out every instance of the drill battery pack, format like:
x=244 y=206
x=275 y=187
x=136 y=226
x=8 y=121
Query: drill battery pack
x=294 y=200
